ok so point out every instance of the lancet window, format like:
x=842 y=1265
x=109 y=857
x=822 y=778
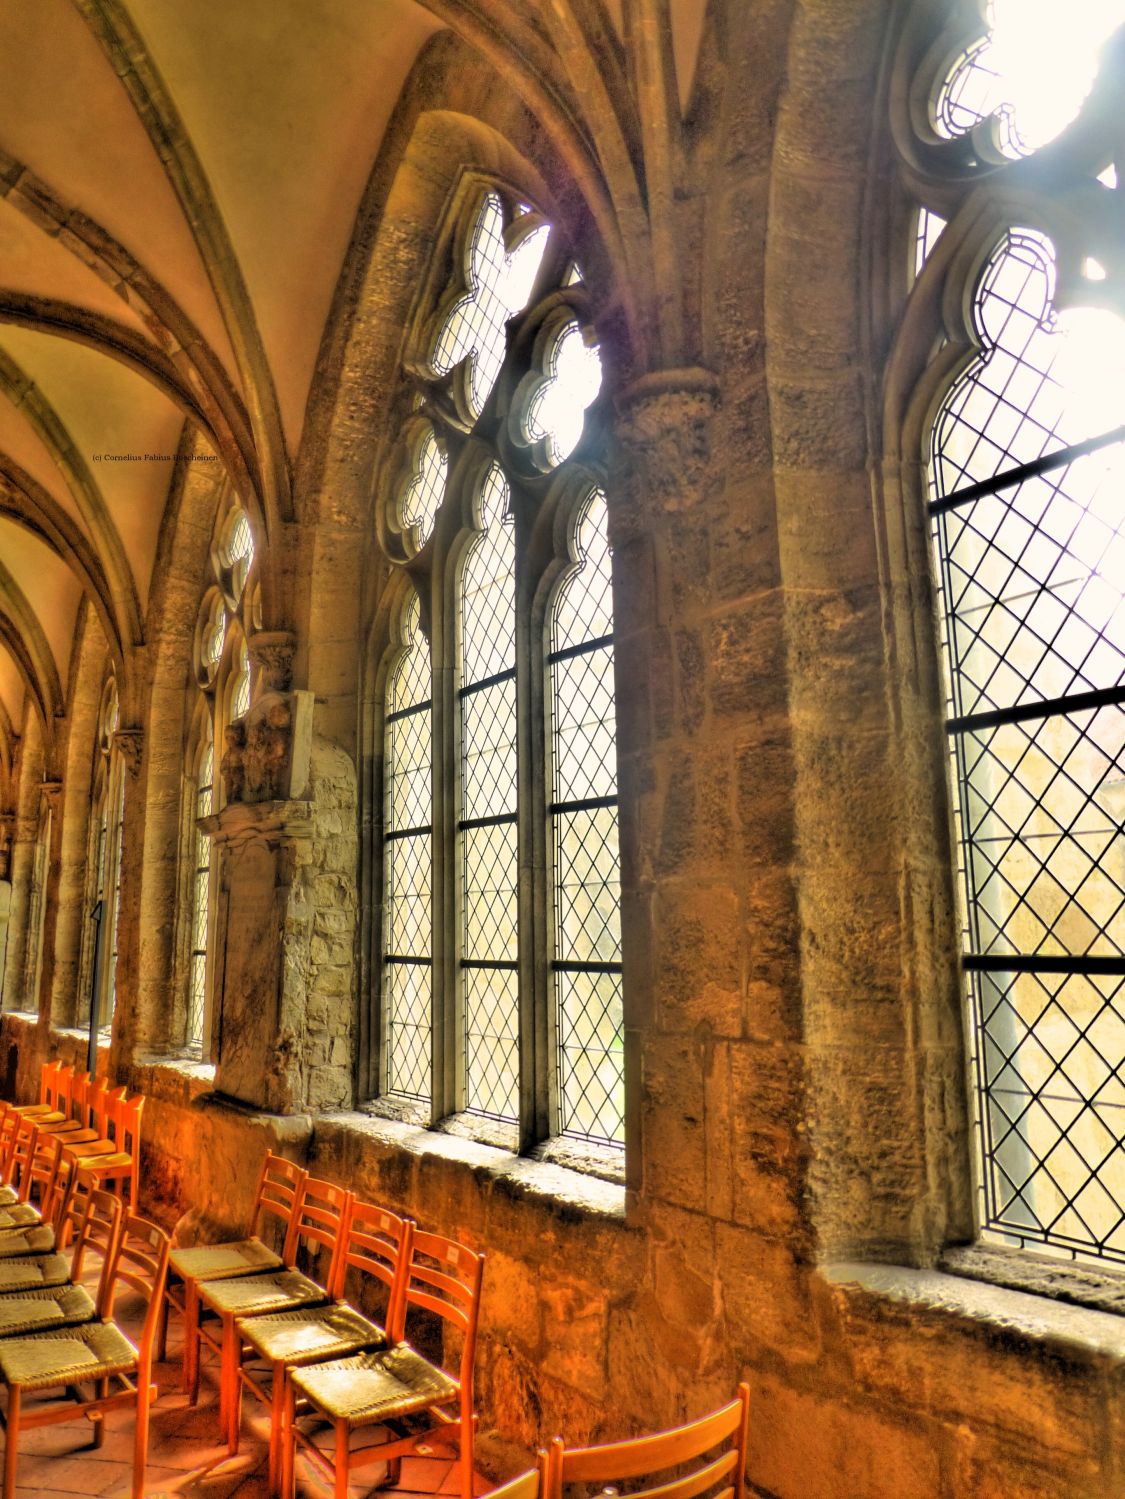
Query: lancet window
x=223 y=684
x=104 y=866
x=1012 y=158
x=498 y=962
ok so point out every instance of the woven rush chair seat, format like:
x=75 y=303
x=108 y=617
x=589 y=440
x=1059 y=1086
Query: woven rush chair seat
x=18 y=1242
x=310 y=1334
x=72 y=1355
x=255 y=1295
x=18 y=1215
x=31 y=1272
x=208 y=1262
x=375 y=1386
x=8 y=1196
x=40 y=1311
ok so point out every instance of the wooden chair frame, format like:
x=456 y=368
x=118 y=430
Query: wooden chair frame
x=445 y=1279
x=139 y=1263
x=276 y=1196
x=318 y=1222
x=722 y=1477
x=377 y=1244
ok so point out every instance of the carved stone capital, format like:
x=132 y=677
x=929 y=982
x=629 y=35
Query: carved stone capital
x=664 y=434
x=50 y=792
x=129 y=744
x=272 y=653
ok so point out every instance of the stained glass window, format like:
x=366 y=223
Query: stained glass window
x=586 y=958
x=488 y=822
x=407 y=856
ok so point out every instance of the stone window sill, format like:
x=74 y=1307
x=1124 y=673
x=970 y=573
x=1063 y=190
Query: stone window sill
x=1077 y=1334
x=526 y=1177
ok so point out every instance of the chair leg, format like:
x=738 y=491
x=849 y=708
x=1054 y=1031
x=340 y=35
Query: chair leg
x=162 y=1330
x=277 y=1432
x=191 y=1342
x=341 y=1486
x=140 y=1435
x=231 y=1383
x=288 y=1440
x=465 y=1454
x=99 y=1420
x=12 y=1449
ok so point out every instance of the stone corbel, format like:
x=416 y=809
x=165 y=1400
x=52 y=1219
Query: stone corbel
x=129 y=744
x=272 y=823
x=268 y=751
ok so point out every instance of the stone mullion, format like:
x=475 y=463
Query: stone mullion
x=447 y=999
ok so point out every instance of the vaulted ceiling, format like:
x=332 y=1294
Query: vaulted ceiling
x=178 y=186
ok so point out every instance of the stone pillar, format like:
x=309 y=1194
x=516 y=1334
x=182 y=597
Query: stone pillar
x=21 y=872
x=260 y=849
x=5 y=907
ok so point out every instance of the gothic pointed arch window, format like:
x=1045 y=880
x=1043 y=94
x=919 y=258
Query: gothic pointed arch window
x=1019 y=242
x=497 y=963
x=222 y=694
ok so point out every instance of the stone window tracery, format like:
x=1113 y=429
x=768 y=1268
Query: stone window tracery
x=498 y=967
x=1026 y=496
x=223 y=683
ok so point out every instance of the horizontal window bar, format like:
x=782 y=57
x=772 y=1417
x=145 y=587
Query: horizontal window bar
x=394 y=833
x=586 y=967
x=1013 y=476
x=586 y=804
x=401 y=713
x=500 y=965
x=487 y=822
x=397 y=957
x=584 y=648
x=486 y=682
x=1027 y=963
x=1075 y=702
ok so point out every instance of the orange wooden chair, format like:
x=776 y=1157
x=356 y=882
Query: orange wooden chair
x=50 y=1083
x=713 y=1449
x=97 y=1218
x=317 y=1225
x=275 y=1198
x=116 y=1157
x=386 y=1387
x=97 y=1353
x=86 y=1118
x=377 y=1246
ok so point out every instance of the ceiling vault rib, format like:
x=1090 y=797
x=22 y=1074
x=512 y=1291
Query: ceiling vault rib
x=27 y=503
x=26 y=640
x=118 y=342
x=172 y=331
x=118 y=36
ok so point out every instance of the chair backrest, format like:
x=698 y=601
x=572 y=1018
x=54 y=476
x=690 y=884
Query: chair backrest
x=43 y=1174
x=279 y=1184
x=445 y=1278
x=21 y=1155
x=73 y=1086
x=139 y=1263
x=712 y=1448
x=378 y=1243
x=49 y=1083
x=9 y=1119
x=527 y=1485
x=120 y=1120
x=318 y=1223
x=96 y=1215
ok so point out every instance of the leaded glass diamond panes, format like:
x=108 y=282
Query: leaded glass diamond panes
x=426 y=490
x=407 y=856
x=240 y=683
x=238 y=553
x=488 y=830
x=558 y=411
x=1029 y=539
x=1050 y=1055
x=201 y=891
x=499 y=285
x=1034 y=69
x=586 y=956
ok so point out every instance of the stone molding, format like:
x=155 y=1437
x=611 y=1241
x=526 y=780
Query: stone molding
x=271 y=823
